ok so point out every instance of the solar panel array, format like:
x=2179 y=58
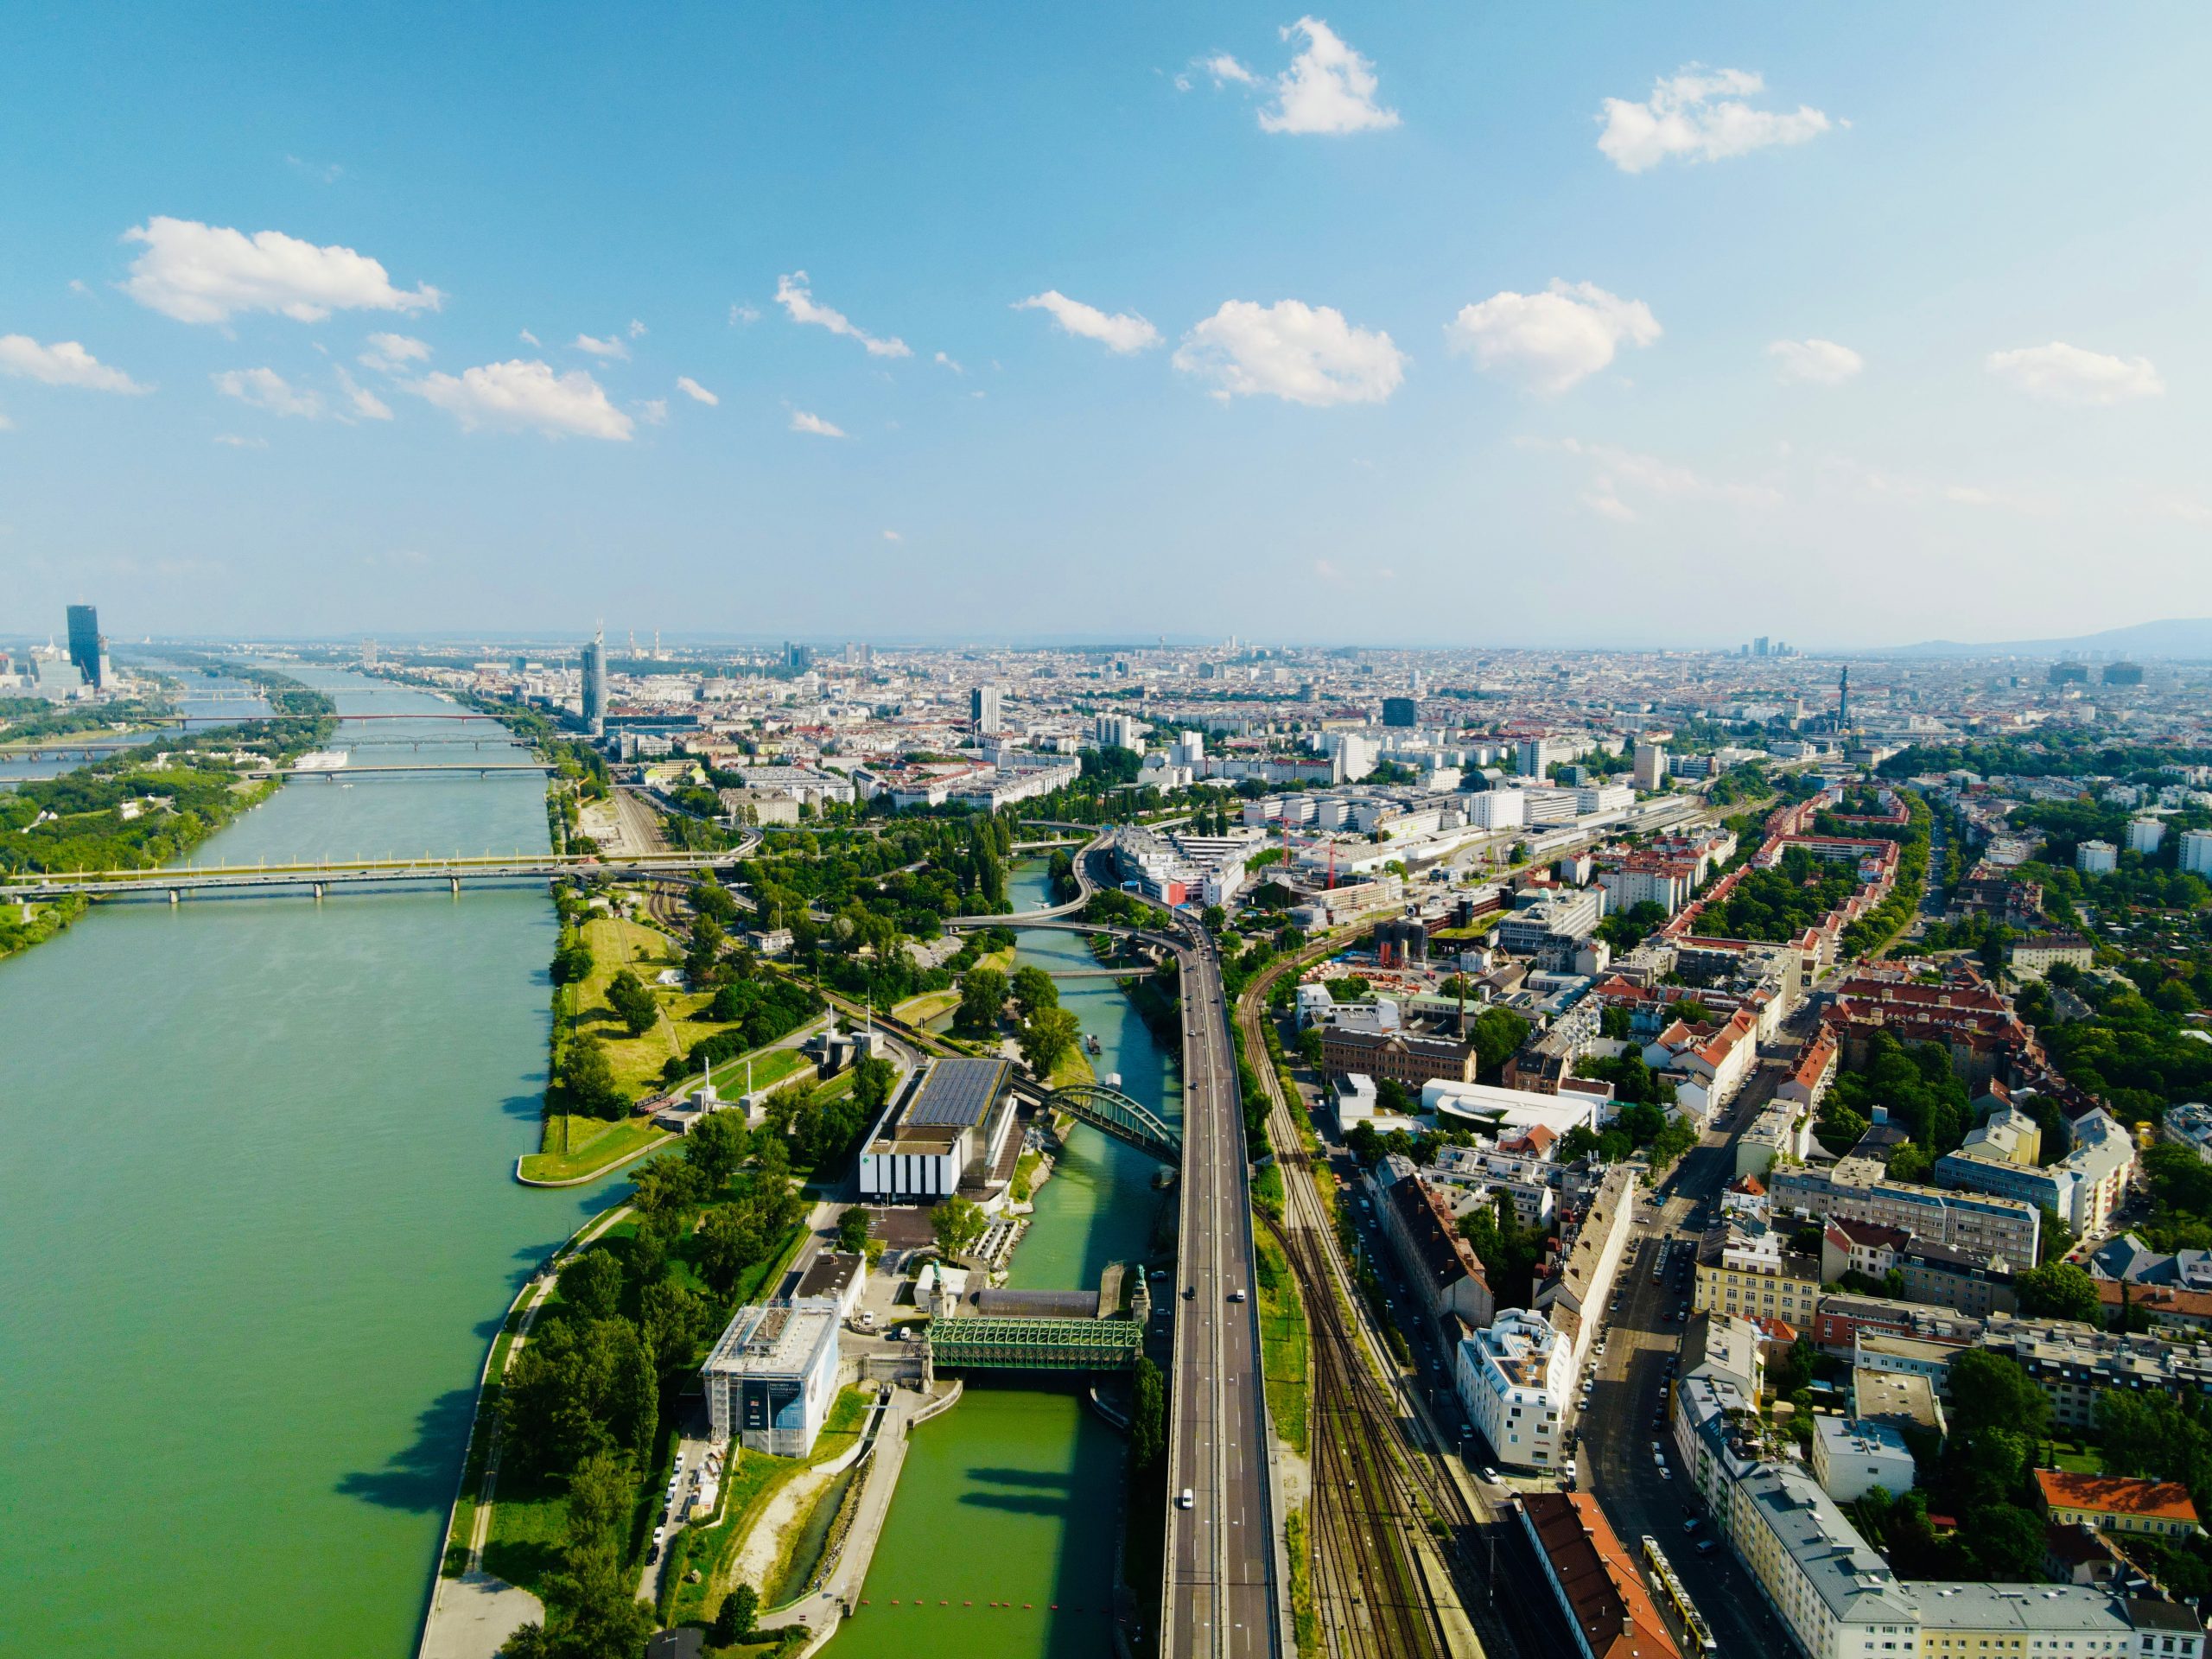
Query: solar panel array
x=957 y=1092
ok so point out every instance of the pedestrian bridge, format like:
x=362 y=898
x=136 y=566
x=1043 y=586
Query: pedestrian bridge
x=982 y=1343
x=1112 y=1112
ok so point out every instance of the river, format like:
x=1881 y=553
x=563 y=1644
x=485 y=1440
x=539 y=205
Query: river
x=239 y=700
x=259 y=1227
x=1013 y=1496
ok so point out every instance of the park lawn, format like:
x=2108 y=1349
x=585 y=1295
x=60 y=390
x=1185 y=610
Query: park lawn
x=638 y=1062
x=529 y=1519
x=1073 y=1067
x=746 y=1494
x=1282 y=1344
x=595 y=1144
x=770 y=1067
x=920 y=1010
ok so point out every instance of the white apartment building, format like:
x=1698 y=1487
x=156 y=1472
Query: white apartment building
x=1501 y=808
x=2197 y=851
x=2144 y=834
x=1513 y=1380
x=1851 y=1458
x=1650 y=766
x=2096 y=858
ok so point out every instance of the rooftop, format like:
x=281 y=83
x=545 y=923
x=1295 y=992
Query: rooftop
x=957 y=1092
x=2159 y=1500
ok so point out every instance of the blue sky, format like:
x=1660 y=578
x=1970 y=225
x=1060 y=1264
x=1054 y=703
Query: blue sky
x=1471 y=324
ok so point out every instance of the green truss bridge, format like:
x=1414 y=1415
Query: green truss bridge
x=1112 y=1112
x=987 y=1343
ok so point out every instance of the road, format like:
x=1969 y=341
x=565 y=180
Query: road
x=1628 y=1407
x=1219 y=1594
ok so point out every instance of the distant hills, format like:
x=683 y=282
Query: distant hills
x=2189 y=637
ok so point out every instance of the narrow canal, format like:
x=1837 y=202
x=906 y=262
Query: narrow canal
x=258 y=1223
x=1013 y=1497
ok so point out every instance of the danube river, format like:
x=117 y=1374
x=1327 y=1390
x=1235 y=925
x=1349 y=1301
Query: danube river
x=258 y=1224
x=1014 y=1495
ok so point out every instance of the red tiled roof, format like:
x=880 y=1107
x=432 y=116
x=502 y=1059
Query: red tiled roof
x=1612 y=1611
x=2162 y=1500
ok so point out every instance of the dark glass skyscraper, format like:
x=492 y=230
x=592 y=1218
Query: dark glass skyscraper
x=594 y=699
x=85 y=642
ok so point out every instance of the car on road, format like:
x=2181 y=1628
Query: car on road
x=1237 y=1294
x=1189 y=1291
x=1187 y=1501
x=1707 y=1546
x=1489 y=1474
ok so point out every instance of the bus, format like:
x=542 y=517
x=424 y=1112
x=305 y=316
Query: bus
x=1675 y=1601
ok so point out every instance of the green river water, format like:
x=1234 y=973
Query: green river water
x=258 y=1229
x=1014 y=1495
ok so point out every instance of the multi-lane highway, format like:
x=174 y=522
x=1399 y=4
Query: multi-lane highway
x=1218 y=1597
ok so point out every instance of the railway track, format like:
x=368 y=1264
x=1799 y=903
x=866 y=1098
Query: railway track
x=1398 y=1483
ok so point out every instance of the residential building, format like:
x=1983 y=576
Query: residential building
x=1593 y=1577
x=2084 y=1187
x=1988 y=1223
x=2144 y=834
x=1650 y=766
x=1746 y=1270
x=2189 y=1125
x=1515 y=1379
x=1402 y=1056
x=1965 y=1282
x=1441 y=1266
x=1906 y=1401
x=2033 y=955
x=1118 y=732
x=1839 y=1598
x=2151 y=1509
x=986 y=710
x=1814 y=1070
x=2095 y=857
x=772 y=1376
x=1862 y=1247
x=2073 y=1362
x=1851 y=1458
x=2196 y=855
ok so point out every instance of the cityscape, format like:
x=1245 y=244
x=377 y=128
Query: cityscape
x=741 y=990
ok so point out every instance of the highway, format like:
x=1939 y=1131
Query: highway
x=1219 y=1595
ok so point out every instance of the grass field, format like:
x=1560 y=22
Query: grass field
x=920 y=1010
x=593 y=1144
x=1283 y=1356
x=769 y=1066
x=746 y=1494
x=616 y=944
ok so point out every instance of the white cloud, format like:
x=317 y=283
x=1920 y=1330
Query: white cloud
x=792 y=294
x=1815 y=362
x=520 y=394
x=79 y=285
x=2067 y=374
x=892 y=536
x=637 y=328
x=1306 y=354
x=206 y=273
x=529 y=338
x=1120 y=332
x=609 y=347
x=366 y=403
x=653 y=411
x=945 y=359
x=233 y=440
x=1550 y=341
x=803 y=422
x=65 y=363
x=1329 y=88
x=389 y=354
x=321 y=172
x=742 y=313
x=694 y=391
x=266 y=389
x=1602 y=501
x=1698 y=114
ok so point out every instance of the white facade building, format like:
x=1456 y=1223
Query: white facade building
x=2144 y=834
x=2197 y=851
x=1850 y=1459
x=771 y=1378
x=2096 y=858
x=1514 y=1379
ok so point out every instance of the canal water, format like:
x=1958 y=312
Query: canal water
x=61 y=754
x=1014 y=1496
x=257 y=1225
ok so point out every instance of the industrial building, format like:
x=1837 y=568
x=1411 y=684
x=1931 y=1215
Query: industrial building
x=953 y=1125
x=771 y=1378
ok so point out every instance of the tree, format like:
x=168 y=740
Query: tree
x=1033 y=991
x=1309 y=1046
x=959 y=1226
x=1911 y=1163
x=873 y=1078
x=2059 y=1290
x=714 y=1148
x=635 y=1007
x=703 y=957
x=982 y=999
x=1148 y=1421
x=735 y=1619
x=592 y=1284
x=586 y=1085
x=729 y=1240
x=1049 y=1036
x=709 y=898
x=852 y=1228
x=572 y=963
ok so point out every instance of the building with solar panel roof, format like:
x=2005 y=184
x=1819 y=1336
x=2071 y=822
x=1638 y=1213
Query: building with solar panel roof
x=951 y=1131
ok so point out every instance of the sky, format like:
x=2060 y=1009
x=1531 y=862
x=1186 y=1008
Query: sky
x=1416 y=324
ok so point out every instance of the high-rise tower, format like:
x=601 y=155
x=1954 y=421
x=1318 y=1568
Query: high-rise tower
x=85 y=643
x=594 y=690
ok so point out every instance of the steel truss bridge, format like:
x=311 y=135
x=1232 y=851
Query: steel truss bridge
x=985 y=1342
x=545 y=867
x=1112 y=1112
